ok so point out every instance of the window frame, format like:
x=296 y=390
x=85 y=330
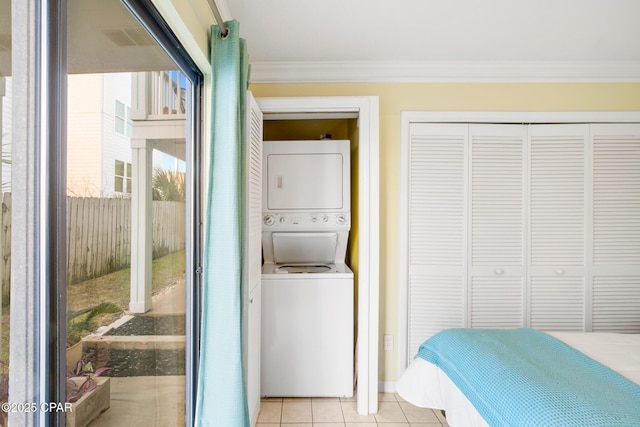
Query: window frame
x=124 y=118
x=125 y=178
x=119 y=118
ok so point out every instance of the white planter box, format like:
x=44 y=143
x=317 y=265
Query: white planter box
x=92 y=404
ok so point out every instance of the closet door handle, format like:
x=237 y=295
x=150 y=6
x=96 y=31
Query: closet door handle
x=499 y=271
x=559 y=272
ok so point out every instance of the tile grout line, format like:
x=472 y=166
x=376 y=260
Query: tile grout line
x=341 y=401
x=405 y=414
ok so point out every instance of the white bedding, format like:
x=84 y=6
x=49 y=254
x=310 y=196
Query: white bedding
x=425 y=385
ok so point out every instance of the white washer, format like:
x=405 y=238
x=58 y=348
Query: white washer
x=307 y=330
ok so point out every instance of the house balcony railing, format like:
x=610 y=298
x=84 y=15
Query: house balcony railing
x=158 y=95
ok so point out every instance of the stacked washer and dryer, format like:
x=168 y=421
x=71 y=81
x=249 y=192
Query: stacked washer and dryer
x=307 y=289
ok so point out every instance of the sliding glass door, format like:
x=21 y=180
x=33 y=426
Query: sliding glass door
x=115 y=232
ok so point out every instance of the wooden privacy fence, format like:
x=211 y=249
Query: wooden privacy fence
x=99 y=235
x=5 y=241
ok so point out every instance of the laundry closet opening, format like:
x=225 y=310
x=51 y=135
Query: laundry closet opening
x=324 y=129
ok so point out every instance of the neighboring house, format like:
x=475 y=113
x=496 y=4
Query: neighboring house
x=99 y=132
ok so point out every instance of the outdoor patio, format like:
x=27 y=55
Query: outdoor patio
x=146 y=401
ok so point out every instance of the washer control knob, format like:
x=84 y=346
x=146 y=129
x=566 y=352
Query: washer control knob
x=341 y=219
x=325 y=218
x=269 y=220
x=283 y=219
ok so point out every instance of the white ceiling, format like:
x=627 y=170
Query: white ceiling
x=426 y=39
x=376 y=40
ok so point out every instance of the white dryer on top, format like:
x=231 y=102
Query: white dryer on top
x=307 y=176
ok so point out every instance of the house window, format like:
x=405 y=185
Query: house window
x=123 y=123
x=122 y=182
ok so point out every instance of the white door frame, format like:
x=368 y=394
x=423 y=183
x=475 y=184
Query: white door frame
x=502 y=117
x=365 y=108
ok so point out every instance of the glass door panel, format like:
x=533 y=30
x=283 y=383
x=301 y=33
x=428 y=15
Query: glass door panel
x=5 y=198
x=126 y=203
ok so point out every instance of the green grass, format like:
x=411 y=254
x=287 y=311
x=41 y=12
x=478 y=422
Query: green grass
x=114 y=288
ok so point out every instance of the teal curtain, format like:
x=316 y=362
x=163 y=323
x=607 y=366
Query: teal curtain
x=221 y=396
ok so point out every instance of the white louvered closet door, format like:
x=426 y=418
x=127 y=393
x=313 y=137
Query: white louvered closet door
x=557 y=226
x=496 y=256
x=253 y=184
x=436 y=241
x=616 y=228
x=253 y=253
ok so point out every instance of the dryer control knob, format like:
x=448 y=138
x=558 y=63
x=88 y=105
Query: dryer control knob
x=341 y=219
x=269 y=220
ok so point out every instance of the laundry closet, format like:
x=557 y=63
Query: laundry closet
x=308 y=281
x=353 y=119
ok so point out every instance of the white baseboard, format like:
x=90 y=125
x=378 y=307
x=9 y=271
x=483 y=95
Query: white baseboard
x=387 y=386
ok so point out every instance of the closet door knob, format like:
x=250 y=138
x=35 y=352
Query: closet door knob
x=499 y=272
x=559 y=272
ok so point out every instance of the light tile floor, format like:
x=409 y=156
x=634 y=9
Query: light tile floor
x=393 y=411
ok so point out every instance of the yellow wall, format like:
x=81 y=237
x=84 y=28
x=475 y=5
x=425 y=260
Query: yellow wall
x=395 y=98
x=352 y=250
x=288 y=130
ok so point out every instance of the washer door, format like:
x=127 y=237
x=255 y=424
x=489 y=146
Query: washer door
x=304 y=248
x=304 y=268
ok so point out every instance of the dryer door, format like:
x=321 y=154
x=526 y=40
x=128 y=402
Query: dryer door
x=305 y=181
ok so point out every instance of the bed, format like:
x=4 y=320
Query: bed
x=449 y=386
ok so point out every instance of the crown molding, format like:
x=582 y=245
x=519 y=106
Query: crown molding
x=442 y=71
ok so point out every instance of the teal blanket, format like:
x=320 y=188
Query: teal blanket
x=524 y=377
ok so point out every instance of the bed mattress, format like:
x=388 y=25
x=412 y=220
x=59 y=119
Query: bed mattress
x=425 y=385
